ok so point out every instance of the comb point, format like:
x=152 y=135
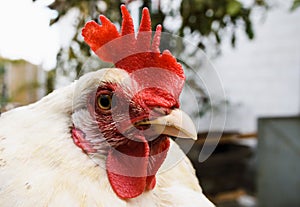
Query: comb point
x=145 y=21
x=156 y=39
x=103 y=19
x=127 y=23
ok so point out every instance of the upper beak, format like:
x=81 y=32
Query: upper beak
x=177 y=124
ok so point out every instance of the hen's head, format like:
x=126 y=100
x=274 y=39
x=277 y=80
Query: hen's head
x=125 y=115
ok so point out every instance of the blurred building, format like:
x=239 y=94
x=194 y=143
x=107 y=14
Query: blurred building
x=21 y=82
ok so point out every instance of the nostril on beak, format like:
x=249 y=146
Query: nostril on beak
x=157 y=112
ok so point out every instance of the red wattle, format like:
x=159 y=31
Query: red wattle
x=131 y=168
x=127 y=169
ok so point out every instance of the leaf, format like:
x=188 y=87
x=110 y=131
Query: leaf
x=295 y=5
x=233 y=40
x=249 y=30
x=218 y=38
x=233 y=7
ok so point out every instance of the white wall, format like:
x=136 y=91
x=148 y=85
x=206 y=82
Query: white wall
x=262 y=77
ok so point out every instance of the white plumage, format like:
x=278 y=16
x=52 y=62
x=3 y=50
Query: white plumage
x=41 y=166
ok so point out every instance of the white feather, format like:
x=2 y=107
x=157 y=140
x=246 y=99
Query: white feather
x=40 y=165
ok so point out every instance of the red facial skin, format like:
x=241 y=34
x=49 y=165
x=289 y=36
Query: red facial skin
x=133 y=156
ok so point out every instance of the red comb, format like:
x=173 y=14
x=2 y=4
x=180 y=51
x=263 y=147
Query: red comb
x=126 y=50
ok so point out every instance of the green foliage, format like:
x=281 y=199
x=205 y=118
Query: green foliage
x=295 y=5
x=210 y=18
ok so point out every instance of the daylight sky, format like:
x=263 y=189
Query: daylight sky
x=25 y=33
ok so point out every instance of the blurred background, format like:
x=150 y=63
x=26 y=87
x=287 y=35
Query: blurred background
x=253 y=45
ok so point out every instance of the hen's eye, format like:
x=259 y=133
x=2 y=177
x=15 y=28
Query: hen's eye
x=104 y=101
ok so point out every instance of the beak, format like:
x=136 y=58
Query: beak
x=176 y=124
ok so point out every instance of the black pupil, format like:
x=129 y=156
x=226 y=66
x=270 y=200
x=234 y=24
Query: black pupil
x=105 y=101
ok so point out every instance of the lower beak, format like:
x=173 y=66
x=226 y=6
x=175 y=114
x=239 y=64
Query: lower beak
x=176 y=124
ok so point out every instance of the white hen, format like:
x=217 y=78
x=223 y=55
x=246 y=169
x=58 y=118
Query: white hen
x=102 y=141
